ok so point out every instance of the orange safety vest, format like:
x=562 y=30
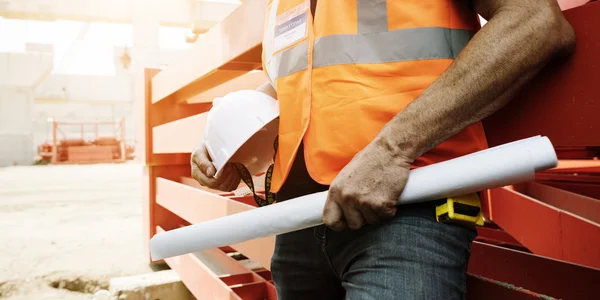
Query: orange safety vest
x=342 y=77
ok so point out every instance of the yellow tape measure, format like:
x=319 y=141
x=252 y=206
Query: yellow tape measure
x=464 y=209
x=247 y=179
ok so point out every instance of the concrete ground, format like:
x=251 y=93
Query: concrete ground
x=69 y=228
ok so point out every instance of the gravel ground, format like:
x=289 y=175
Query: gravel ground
x=69 y=227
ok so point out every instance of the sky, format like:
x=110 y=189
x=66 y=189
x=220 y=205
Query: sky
x=91 y=55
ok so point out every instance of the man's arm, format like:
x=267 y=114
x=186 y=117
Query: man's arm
x=521 y=37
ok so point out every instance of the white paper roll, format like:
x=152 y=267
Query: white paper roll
x=506 y=164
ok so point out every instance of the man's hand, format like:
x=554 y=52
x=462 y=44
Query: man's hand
x=520 y=38
x=204 y=171
x=366 y=191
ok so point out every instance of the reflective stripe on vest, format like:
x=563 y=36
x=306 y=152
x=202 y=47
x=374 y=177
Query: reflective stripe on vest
x=382 y=47
x=290 y=61
x=360 y=63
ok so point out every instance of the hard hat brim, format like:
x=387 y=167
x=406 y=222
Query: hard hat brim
x=241 y=129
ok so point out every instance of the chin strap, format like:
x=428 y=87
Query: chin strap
x=247 y=179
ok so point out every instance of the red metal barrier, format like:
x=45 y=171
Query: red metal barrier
x=551 y=226
x=535 y=273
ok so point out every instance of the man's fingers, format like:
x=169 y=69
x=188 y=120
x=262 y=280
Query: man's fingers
x=209 y=169
x=196 y=172
x=333 y=216
x=386 y=212
x=200 y=176
x=201 y=158
x=353 y=217
x=369 y=214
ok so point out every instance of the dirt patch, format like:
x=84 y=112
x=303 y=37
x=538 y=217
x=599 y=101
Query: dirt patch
x=80 y=284
x=9 y=288
x=68 y=222
x=53 y=287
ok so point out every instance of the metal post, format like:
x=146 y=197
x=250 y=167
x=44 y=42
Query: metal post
x=54 y=158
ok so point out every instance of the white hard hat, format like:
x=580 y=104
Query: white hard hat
x=241 y=128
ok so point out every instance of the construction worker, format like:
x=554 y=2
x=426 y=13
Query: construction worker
x=369 y=89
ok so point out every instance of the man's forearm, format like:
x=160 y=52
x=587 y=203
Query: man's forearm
x=517 y=42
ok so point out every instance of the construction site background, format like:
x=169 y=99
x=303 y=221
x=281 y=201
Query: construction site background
x=68 y=229
x=102 y=101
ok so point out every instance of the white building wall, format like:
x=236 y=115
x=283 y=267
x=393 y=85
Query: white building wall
x=87 y=98
x=16 y=143
x=18 y=71
x=25 y=109
x=23 y=69
x=85 y=88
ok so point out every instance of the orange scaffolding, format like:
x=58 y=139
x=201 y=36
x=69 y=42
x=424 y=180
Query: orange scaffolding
x=542 y=237
x=64 y=148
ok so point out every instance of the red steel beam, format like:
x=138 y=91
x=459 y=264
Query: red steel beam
x=590 y=178
x=562 y=101
x=533 y=272
x=254 y=291
x=587 y=184
x=576 y=165
x=497 y=237
x=546 y=230
x=590 y=190
x=572 y=153
x=582 y=206
x=568 y=4
x=479 y=287
x=236 y=282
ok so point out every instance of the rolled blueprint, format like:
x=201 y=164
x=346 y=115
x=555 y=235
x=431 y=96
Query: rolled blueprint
x=499 y=166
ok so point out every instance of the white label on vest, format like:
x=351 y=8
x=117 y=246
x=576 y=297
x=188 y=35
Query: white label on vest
x=290 y=26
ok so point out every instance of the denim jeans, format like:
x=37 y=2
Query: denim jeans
x=408 y=257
